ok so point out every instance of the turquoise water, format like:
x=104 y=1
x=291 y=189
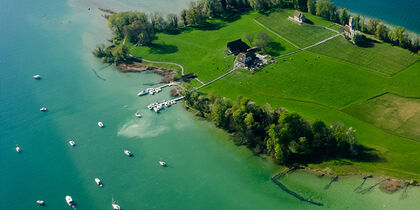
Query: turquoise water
x=206 y=171
x=403 y=12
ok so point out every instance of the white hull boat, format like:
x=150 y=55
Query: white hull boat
x=137 y=115
x=70 y=201
x=98 y=182
x=40 y=202
x=115 y=206
x=17 y=149
x=142 y=93
x=37 y=76
x=43 y=109
x=72 y=143
x=128 y=153
x=100 y=124
x=162 y=163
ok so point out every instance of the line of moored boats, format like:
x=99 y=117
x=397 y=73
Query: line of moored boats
x=155 y=106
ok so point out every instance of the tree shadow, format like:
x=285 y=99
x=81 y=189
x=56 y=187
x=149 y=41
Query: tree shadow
x=211 y=26
x=367 y=155
x=367 y=42
x=163 y=49
x=275 y=48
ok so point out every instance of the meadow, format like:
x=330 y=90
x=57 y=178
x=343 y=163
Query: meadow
x=332 y=82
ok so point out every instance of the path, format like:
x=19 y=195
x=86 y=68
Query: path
x=219 y=77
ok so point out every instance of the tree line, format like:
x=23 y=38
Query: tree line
x=284 y=135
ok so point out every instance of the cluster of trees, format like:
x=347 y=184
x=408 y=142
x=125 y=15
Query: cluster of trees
x=262 y=40
x=112 y=54
x=285 y=136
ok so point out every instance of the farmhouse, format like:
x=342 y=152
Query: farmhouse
x=299 y=17
x=246 y=59
x=237 y=46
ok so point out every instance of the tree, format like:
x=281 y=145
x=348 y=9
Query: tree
x=326 y=9
x=250 y=38
x=263 y=41
x=397 y=36
x=212 y=7
x=260 y=5
x=311 y=7
x=356 y=20
x=195 y=17
x=372 y=24
x=344 y=17
x=183 y=16
x=301 y=5
x=171 y=22
x=357 y=38
x=382 y=32
x=158 y=22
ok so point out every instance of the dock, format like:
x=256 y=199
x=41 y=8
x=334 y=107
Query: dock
x=166 y=103
x=152 y=91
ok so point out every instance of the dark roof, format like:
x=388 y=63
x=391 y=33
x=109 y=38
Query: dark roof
x=237 y=46
x=188 y=77
x=298 y=14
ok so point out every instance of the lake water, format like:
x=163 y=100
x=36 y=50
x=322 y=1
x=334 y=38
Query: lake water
x=205 y=170
x=403 y=12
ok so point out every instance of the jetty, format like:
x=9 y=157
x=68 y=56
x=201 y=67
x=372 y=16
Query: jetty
x=156 y=106
x=152 y=91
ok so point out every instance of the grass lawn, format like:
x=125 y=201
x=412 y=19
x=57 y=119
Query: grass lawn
x=380 y=57
x=307 y=77
x=391 y=112
x=203 y=51
x=302 y=35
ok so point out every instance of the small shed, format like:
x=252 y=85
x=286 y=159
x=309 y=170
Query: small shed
x=188 y=77
x=237 y=46
x=299 y=17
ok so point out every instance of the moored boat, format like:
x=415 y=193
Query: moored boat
x=72 y=143
x=17 y=149
x=137 y=115
x=142 y=93
x=115 y=206
x=70 y=201
x=98 y=182
x=43 y=109
x=40 y=202
x=37 y=76
x=162 y=163
x=128 y=153
x=100 y=124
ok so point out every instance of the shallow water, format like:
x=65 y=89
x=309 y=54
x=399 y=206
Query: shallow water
x=205 y=170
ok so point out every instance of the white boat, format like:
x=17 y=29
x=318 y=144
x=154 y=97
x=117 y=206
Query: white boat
x=128 y=153
x=115 y=206
x=17 y=149
x=37 y=76
x=142 y=93
x=100 y=124
x=40 y=202
x=72 y=143
x=137 y=114
x=98 y=182
x=43 y=109
x=162 y=163
x=70 y=201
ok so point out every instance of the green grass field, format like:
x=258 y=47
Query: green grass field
x=302 y=35
x=380 y=57
x=203 y=51
x=393 y=113
x=332 y=82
